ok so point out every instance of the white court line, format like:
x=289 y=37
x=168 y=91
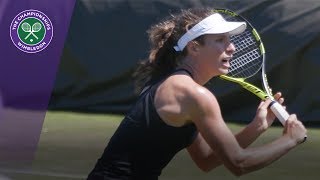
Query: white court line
x=42 y=173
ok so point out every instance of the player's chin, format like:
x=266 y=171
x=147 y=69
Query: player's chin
x=223 y=71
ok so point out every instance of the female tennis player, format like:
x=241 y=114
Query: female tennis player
x=175 y=111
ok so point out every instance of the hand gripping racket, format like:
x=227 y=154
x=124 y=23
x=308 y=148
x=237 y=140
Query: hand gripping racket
x=248 y=60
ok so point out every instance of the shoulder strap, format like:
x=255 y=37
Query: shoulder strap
x=182 y=69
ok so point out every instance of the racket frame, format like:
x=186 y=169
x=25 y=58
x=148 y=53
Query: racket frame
x=276 y=108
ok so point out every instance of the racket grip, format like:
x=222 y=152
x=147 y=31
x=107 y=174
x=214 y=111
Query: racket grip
x=279 y=111
x=282 y=114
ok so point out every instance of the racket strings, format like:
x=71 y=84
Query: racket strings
x=247 y=59
x=26 y=27
x=246 y=65
x=243 y=43
x=36 y=27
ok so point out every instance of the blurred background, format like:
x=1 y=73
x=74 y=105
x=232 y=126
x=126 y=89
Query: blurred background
x=107 y=38
x=93 y=86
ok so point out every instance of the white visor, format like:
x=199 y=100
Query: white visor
x=213 y=24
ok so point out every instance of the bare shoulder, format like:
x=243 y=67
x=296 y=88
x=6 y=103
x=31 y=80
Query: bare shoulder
x=183 y=89
x=201 y=102
x=178 y=97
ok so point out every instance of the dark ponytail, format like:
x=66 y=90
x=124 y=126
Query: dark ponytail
x=163 y=36
x=162 y=55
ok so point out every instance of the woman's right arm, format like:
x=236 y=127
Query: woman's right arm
x=205 y=112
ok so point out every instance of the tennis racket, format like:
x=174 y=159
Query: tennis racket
x=248 y=60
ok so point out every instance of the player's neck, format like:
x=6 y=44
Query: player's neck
x=198 y=75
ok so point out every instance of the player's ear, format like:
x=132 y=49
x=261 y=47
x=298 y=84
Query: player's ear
x=193 y=47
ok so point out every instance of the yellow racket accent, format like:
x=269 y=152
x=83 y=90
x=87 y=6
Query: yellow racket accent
x=255 y=34
x=252 y=88
x=262 y=48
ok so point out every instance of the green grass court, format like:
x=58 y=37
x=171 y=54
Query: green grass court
x=70 y=143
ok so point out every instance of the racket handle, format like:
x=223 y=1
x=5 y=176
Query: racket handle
x=282 y=114
x=279 y=111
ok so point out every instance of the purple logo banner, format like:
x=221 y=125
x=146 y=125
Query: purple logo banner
x=31 y=43
x=31 y=31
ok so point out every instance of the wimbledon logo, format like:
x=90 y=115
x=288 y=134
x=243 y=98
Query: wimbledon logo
x=31 y=31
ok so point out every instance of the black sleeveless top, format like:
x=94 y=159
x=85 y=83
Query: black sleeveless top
x=143 y=144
